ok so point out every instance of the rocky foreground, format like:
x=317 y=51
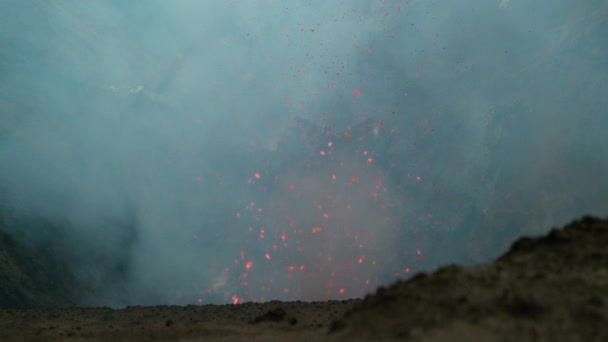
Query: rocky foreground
x=552 y=288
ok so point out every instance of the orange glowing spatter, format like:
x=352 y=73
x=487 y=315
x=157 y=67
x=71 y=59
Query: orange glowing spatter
x=330 y=220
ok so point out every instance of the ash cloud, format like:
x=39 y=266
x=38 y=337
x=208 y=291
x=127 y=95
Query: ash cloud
x=160 y=141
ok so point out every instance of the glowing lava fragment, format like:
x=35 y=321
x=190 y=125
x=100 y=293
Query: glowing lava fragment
x=341 y=291
x=322 y=153
x=354 y=179
x=248 y=264
x=257 y=175
x=417 y=73
x=199 y=179
x=356 y=92
x=330 y=144
x=290 y=186
x=267 y=256
x=370 y=161
x=316 y=229
x=333 y=177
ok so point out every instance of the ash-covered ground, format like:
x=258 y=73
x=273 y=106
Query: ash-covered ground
x=553 y=287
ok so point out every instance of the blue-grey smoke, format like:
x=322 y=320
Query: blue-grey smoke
x=224 y=151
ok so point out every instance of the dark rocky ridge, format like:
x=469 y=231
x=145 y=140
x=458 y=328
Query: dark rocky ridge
x=554 y=287
x=32 y=277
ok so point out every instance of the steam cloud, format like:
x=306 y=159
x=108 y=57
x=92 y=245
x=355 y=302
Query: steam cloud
x=226 y=151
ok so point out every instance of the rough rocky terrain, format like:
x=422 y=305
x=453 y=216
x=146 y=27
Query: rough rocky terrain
x=551 y=288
